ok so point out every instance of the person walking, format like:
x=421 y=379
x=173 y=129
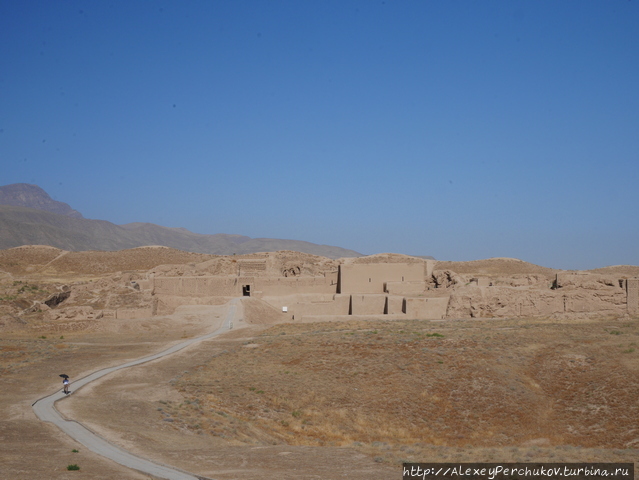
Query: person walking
x=65 y=382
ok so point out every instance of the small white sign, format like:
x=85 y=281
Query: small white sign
x=284 y=309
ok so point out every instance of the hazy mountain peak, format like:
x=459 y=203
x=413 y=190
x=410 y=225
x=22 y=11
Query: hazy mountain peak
x=32 y=196
x=29 y=216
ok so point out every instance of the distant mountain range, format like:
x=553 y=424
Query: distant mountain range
x=29 y=216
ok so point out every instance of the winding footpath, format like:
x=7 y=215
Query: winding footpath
x=45 y=409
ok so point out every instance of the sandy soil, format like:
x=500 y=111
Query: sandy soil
x=309 y=401
x=316 y=401
x=30 y=362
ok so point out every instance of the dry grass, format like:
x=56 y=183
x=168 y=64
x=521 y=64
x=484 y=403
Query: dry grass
x=496 y=266
x=481 y=390
x=402 y=390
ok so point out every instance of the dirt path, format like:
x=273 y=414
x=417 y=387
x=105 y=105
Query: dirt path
x=43 y=268
x=46 y=411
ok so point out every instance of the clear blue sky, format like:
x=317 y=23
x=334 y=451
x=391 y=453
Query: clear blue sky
x=458 y=129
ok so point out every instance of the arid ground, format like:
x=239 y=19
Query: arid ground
x=315 y=401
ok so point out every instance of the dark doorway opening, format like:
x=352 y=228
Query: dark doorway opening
x=246 y=290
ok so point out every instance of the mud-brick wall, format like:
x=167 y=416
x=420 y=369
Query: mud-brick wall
x=251 y=268
x=198 y=286
x=337 y=306
x=405 y=288
x=518 y=302
x=591 y=293
x=588 y=301
x=632 y=295
x=311 y=304
x=372 y=277
x=543 y=303
x=166 y=304
x=426 y=308
x=588 y=281
x=265 y=286
x=368 y=304
x=395 y=305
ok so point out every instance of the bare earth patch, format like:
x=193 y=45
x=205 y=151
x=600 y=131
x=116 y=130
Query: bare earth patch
x=301 y=401
x=377 y=394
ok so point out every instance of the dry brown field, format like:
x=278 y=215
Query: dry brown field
x=315 y=401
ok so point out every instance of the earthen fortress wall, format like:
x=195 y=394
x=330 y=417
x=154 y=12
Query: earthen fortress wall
x=404 y=289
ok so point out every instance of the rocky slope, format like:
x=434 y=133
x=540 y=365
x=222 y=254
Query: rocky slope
x=32 y=196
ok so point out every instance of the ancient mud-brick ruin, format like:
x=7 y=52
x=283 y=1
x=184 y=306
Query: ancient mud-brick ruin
x=294 y=286
x=632 y=289
x=309 y=288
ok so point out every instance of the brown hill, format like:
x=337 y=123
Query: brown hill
x=53 y=261
x=623 y=270
x=29 y=258
x=495 y=266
